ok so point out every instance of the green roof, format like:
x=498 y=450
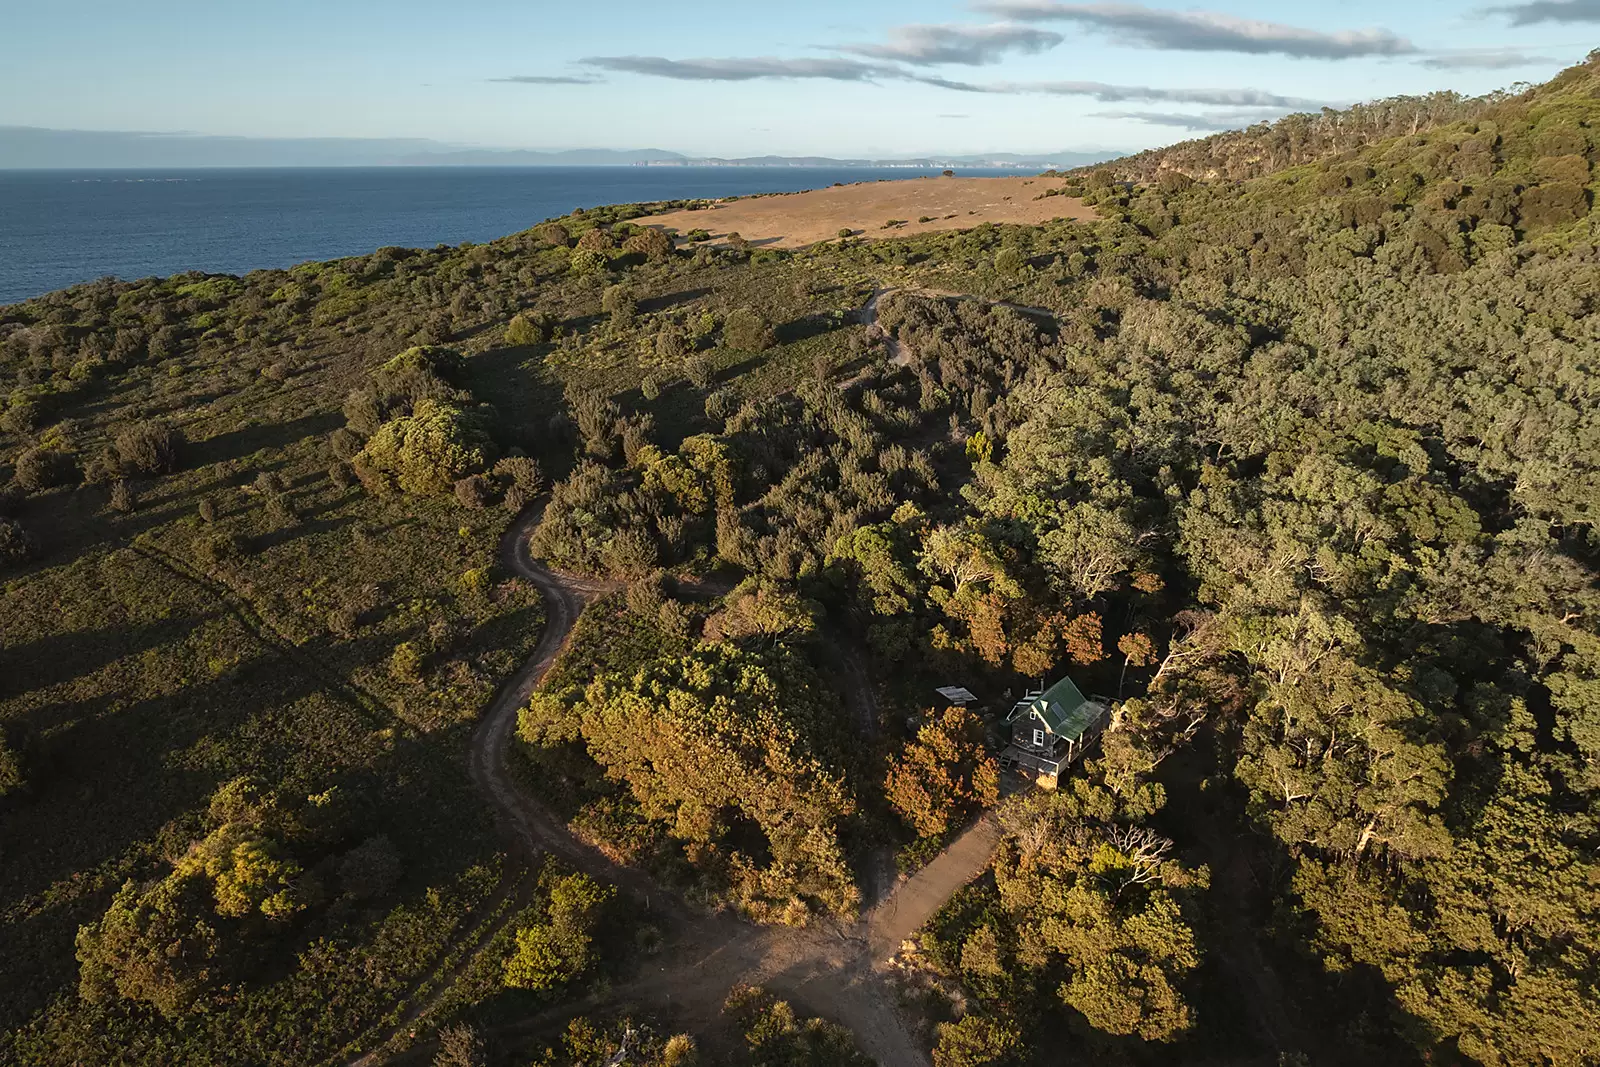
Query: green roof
x=1064 y=709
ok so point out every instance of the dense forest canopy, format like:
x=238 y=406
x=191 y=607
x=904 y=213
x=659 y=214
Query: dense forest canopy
x=1293 y=454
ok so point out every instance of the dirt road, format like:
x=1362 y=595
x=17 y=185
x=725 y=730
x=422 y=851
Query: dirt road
x=832 y=968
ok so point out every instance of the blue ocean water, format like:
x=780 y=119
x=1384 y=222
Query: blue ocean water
x=58 y=228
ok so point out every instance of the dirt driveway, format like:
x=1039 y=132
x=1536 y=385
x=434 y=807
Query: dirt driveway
x=791 y=220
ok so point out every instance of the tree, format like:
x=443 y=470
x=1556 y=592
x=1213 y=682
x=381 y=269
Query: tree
x=526 y=329
x=555 y=951
x=1089 y=550
x=977 y=1040
x=965 y=557
x=150 y=447
x=746 y=330
x=1137 y=651
x=1340 y=760
x=15 y=544
x=1084 y=641
x=424 y=453
x=154 y=946
x=944 y=773
x=1102 y=898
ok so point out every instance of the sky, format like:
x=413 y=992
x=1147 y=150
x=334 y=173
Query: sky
x=872 y=78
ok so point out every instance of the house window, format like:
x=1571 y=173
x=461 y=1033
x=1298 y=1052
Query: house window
x=1038 y=739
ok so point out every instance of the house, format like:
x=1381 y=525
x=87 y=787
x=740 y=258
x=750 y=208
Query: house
x=1051 y=728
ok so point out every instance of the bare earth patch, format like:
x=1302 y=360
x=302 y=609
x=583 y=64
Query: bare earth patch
x=792 y=220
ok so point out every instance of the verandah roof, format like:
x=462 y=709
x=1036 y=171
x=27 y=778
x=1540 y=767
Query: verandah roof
x=1066 y=712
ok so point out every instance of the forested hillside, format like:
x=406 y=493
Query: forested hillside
x=1293 y=453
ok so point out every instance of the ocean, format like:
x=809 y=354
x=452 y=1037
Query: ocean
x=58 y=228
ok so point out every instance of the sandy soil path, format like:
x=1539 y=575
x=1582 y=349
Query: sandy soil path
x=925 y=892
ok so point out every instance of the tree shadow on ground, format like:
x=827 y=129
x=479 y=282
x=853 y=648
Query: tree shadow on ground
x=671 y=300
x=237 y=444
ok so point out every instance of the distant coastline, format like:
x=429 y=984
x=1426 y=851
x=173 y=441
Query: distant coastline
x=36 y=148
x=70 y=225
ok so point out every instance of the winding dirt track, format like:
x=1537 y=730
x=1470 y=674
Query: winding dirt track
x=831 y=968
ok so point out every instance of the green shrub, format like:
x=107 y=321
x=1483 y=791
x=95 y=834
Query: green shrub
x=553 y=233
x=977 y=1041
x=149 y=447
x=588 y=261
x=1552 y=204
x=525 y=329
x=700 y=372
x=473 y=491
x=211 y=549
x=15 y=544
x=370 y=870
x=422 y=372
x=16 y=757
x=552 y=953
x=22 y=416
x=424 y=453
x=653 y=244
x=43 y=468
x=156 y=947
x=746 y=330
x=343 y=443
x=520 y=473
x=405 y=664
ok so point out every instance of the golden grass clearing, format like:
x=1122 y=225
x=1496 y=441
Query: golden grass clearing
x=792 y=220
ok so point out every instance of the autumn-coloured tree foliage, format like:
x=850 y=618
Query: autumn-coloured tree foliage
x=943 y=774
x=724 y=731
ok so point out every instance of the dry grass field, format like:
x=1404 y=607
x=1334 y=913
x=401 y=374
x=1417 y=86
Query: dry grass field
x=794 y=220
